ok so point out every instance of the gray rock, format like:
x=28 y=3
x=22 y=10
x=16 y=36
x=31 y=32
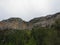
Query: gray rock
x=18 y=23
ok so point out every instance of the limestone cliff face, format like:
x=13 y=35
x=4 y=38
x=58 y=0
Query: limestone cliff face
x=18 y=23
x=13 y=23
x=2 y=25
x=45 y=21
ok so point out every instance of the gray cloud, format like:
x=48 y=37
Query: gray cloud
x=28 y=9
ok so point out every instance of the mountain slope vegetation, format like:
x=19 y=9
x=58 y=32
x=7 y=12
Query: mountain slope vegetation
x=35 y=32
x=36 y=36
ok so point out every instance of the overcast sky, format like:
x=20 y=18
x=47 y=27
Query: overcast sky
x=28 y=9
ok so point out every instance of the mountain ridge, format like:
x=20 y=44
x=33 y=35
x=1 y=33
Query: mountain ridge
x=18 y=23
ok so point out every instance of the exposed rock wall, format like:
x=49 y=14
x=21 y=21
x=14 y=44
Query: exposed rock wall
x=17 y=23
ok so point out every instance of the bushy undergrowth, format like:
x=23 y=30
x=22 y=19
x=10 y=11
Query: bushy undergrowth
x=36 y=36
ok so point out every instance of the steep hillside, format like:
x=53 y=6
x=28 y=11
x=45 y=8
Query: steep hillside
x=13 y=23
x=18 y=23
x=45 y=21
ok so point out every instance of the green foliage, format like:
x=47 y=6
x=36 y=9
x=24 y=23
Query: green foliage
x=36 y=36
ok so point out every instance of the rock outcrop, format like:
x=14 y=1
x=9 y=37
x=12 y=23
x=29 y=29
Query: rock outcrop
x=45 y=21
x=18 y=23
x=13 y=23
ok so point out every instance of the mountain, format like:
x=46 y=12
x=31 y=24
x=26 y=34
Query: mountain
x=13 y=23
x=18 y=23
x=45 y=21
